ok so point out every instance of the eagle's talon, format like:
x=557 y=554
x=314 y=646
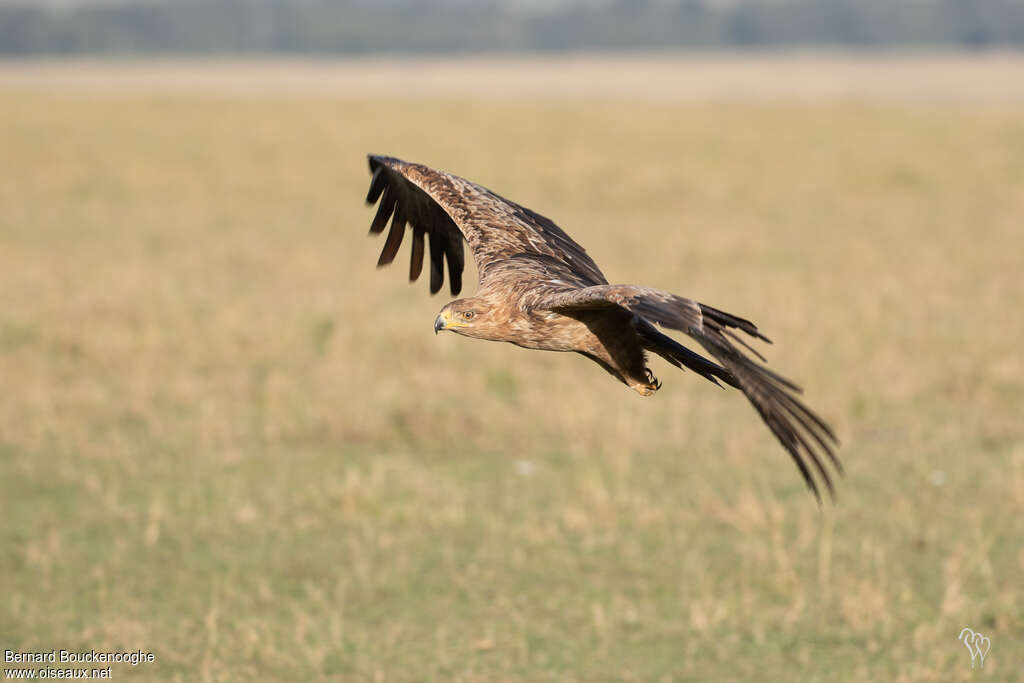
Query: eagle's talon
x=646 y=389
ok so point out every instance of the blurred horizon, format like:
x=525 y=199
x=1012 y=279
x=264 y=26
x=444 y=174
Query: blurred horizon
x=344 y=27
x=985 y=78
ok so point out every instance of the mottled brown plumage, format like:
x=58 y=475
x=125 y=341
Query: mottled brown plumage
x=540 y=290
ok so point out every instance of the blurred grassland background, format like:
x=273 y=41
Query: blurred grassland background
x=226 y=439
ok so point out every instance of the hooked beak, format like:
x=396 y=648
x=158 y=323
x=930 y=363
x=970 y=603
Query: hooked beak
x=440 y=323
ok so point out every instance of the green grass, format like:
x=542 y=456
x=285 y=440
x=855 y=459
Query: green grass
x=226 y=439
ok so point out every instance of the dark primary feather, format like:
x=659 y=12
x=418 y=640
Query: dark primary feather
x=416 y=255
x=394 y=239
x=437 y=263
x=378 y=182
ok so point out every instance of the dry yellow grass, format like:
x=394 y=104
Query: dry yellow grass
x=228 y=440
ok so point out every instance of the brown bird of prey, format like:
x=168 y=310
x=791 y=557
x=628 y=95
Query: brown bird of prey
x=540 y=290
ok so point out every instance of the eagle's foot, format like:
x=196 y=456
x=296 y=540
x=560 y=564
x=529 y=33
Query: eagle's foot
x=649 y=387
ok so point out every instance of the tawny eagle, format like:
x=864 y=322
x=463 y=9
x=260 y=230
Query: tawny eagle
x=540 y=290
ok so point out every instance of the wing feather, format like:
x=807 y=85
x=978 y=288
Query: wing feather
x=394 y=240
x=455 y=257
x=449 y=209
x=377 y=184
x=416 y=256
x=387 y=206
x=807 y=437
x=436 y=262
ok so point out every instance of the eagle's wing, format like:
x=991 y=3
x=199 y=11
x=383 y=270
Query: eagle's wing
x=805 y=435
x=447 y=209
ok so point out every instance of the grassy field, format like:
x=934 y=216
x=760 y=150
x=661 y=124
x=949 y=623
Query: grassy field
x=227 y=440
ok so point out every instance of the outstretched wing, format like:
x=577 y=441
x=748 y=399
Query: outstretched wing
x=801 y=432
x=447 y=209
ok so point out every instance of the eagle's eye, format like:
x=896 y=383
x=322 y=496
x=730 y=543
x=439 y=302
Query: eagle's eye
x=468 y=315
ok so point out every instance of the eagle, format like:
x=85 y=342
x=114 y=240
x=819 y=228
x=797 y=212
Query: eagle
x=539 y=289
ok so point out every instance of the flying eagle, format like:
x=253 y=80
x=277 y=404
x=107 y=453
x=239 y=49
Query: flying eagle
x=540 y=290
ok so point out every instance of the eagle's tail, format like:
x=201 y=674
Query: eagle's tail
x=797 y=427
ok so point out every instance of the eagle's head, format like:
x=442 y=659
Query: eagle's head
x=469 y=317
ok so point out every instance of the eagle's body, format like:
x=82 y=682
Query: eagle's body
x=608 y=338
x=540 y=290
